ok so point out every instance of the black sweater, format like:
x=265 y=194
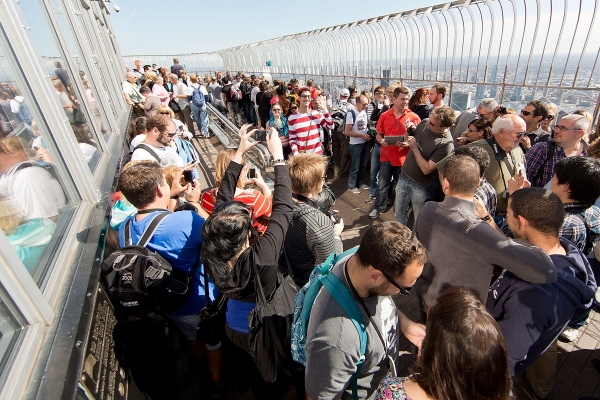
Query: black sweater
x=264 y=254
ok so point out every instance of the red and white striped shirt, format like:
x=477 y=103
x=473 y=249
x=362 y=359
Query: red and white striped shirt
x=305 y=131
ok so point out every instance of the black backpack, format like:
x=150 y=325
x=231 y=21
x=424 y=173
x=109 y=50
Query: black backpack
x=140 y=281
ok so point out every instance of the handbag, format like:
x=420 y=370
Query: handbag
x=78 y=117
x=269 y=327
x=211 y=328
x=174 y=106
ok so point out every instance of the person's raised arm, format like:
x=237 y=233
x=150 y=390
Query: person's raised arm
x=226 y=190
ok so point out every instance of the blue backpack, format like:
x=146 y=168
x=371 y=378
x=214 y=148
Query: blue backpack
x=321 y=277
x=197 y=98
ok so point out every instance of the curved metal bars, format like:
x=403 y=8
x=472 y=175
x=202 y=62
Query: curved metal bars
x=513 y=50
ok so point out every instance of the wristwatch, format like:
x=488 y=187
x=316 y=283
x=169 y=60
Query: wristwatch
x=279 y=161
x=487 y=218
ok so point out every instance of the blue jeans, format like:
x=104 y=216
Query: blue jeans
x=201 y=116
x=408 y=192
x=359 y=155
x=374 y=169
x=386 y=172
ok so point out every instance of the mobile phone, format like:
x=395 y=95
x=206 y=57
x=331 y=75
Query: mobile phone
x=260 y=136
x=251 y=173
x=188 y=176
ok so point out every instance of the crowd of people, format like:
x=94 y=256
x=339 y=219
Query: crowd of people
x=501 y=255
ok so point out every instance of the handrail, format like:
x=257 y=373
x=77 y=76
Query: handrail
x=227 y=133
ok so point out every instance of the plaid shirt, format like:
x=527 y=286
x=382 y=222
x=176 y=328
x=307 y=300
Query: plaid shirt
x=540 y=172
x=487 y=194
x=574 y=230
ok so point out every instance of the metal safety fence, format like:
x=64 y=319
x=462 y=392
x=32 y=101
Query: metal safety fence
x=510 y=50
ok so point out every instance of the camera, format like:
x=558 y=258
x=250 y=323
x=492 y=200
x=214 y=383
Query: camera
x=501 y=110
x=505 y=195
x=261 y=136
x=335 y=215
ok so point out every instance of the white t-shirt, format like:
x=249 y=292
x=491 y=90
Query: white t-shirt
x=180 y=89
x=136 y=140
x=167 y=155
x=88 y=151
x=33 y=190
x=361 y=125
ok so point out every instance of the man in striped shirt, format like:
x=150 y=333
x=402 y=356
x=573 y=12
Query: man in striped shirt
x=305 y=125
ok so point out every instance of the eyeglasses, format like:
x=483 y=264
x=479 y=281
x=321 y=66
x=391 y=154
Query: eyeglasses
x=294 y=107
x=305 y=96
x=365 y=104
x=434 y=126
x=171 y=134
x=404 y=291
x=549 y=117
x=480 y=115
x=276 y=109
x=564 y=128
x=521 y=134
x=526 y=113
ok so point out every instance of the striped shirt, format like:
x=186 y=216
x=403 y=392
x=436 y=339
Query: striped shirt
x=261 y=205
x=305 y=131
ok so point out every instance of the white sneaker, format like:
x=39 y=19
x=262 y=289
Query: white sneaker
x=570 y=334
x=374 y=214
x=364 y=187
x=355 y=190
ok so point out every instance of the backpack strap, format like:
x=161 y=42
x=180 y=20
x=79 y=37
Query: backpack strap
x=341 y=294
x=149 y=150
x=147 y=233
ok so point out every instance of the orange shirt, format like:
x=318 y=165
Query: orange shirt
x=388 y=125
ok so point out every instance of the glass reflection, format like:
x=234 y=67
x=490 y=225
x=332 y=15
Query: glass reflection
x=66 y=83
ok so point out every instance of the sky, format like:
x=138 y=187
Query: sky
x=153 y=27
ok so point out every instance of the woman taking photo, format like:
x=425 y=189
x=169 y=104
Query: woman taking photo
x=418 y=103
x=280 y=123
x=463 y=355
x=232 y=251
x=478 y=129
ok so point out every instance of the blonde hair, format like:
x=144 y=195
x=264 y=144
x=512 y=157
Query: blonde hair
x=170 y=172
x=14 y=145
x=162 y=108
x=150 y=75
x=10 y=218
x=223 y=160
x=306 y=172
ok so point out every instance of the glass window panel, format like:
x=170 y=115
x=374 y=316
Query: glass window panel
x=78 y=61
x=96 y=54
x=12 y=326
x=34 y=206
x=62 y=80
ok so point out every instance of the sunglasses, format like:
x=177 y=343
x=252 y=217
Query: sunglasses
x=526 y=113
x=165 y=113
x=404 y=291
x=549 y=117
x=564 y=128
x=521 y=134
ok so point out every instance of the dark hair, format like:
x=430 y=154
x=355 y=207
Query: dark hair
x=440 y=89
x=352 y=89
x=225 y=80
x=262 y=86
x=145 y=89
x=147 y=67
x=478 y=154
x=302 y=90
x=137 y=126
x=138 y=183
x=401 y=89
x=280 y=90
x=463 y=355
x=462 y=173
x=224 y=233
x=390 y=246
x=482 y=124
x=160 y=122
x=415 y=100
x=582 y=174
x=540 y=207
x=540 y=109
